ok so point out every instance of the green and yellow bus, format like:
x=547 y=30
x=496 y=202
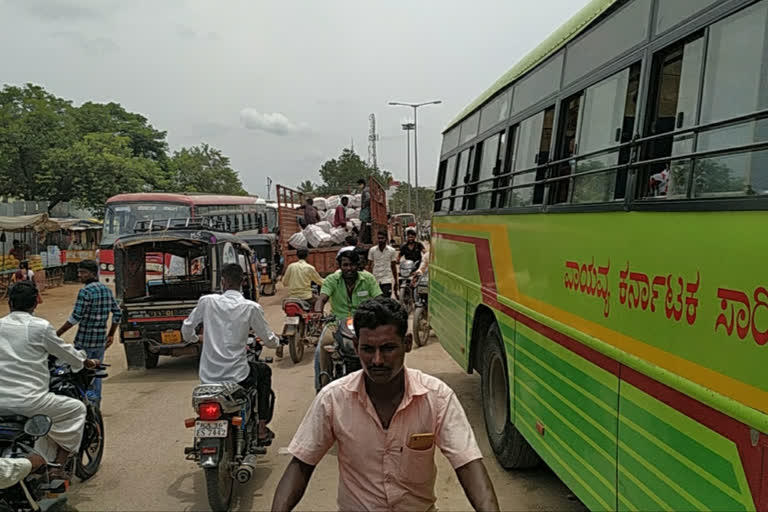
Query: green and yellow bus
x=598 y=256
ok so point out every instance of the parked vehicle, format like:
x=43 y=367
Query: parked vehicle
x=344 y=359
x=421 y=328
x=266 y=251
x=407 y=268
x=154 y=307
x=301 y=326
x=36 y=491
x=65 y=382
x=226 y=435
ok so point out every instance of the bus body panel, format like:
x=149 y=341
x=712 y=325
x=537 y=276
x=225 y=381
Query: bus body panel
x=603 y=372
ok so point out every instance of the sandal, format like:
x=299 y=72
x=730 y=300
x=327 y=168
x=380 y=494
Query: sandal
x=267 y=439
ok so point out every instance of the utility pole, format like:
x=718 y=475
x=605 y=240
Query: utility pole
x=408 y=127
x=415 y=107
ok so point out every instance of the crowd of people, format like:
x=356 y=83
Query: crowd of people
x=387 y=418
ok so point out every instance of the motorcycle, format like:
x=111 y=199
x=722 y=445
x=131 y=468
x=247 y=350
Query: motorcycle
x=37 y=491
x=301 y=325
x=407 y=267
x=344 y=358
x=421 y=328
x=226 y=434
x=65 y=382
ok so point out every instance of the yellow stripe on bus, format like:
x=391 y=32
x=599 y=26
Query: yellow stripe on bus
x=507 y=287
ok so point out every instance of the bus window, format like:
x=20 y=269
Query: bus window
x=460 y=178
x=607 y=120
x=500 y=190
x=485 y=169
x=533 y=142
x=735 y=83
x=570 y=113
x=447 y=181
x=674 y=104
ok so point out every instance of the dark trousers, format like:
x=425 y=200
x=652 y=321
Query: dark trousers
x=386 y=289
x=261 y=377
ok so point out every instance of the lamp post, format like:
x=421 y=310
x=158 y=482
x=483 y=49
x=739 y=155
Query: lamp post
x=415 y=107
x=408 y=127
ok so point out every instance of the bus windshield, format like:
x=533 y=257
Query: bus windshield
x=120 y=218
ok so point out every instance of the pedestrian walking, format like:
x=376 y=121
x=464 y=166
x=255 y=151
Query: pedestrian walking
x=382 y=263
x=92 y=308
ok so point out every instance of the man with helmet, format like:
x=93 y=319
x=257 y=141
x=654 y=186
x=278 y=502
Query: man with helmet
x=346 y=288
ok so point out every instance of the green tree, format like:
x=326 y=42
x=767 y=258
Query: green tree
x=340 y=175
x=94 y=168
x=145 y=140
x=307 y=187
x=399 y=201
x=32 y=123
x=204 y=169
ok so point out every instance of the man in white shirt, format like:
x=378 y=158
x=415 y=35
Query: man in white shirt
x=382 y=263
x=227 y=319
x=25 y=344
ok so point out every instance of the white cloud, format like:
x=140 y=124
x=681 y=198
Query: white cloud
x=274 y=123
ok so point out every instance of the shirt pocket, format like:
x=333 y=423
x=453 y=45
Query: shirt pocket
x=417 y=466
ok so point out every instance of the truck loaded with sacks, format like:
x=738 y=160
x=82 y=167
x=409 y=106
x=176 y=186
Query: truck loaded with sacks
x=322 y=239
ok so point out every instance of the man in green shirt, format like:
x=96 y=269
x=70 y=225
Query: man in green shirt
x=346 y=288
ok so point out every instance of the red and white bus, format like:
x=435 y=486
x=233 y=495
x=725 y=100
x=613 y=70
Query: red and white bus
x=123 y=211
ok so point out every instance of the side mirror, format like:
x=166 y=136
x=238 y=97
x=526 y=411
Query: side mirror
x=38 y=425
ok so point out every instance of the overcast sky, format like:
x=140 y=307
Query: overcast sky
x=278 y=86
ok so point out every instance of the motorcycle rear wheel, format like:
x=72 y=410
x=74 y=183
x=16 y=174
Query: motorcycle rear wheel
x=420 y=326
x=92 y=446
x=296 y=345
x=219 y=481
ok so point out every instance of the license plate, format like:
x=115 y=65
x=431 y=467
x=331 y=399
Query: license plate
x=204 y=429
x=171 y=337
x=292 y=320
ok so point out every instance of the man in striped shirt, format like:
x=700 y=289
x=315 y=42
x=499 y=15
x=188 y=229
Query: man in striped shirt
x=94 y=304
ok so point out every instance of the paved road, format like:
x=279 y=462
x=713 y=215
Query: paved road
x=144 y=466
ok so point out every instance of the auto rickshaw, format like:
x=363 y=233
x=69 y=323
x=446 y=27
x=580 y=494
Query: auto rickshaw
x=398 y=224
x=160 y=273
x=266 y=251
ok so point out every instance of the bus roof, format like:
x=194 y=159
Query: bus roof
x=202 y=199
x=556 y=40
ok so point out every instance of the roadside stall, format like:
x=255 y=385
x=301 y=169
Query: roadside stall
x=23 y=238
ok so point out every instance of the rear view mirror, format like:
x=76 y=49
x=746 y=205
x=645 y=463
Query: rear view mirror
x=38 y=425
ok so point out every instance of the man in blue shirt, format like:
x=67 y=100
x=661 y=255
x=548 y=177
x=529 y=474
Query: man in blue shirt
x=94 y=304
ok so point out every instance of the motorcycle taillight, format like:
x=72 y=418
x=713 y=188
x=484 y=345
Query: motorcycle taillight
x=209 y=411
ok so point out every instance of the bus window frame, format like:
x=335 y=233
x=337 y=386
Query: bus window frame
x=643 y=53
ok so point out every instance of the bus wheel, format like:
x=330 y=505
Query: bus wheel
x=511 y=449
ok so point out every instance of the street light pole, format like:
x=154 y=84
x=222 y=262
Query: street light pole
x=415 y=107
x=408 y=127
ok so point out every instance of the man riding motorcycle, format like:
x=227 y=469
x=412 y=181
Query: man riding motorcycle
x=346 y=288
x=25 y=344
x=299 y=277
x=227 y=319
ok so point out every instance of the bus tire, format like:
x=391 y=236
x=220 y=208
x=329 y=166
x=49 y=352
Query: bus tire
x=508 y=444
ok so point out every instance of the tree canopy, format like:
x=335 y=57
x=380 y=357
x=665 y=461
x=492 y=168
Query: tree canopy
x=53 y=151
x=399 y=201
x=340 y=174
x=204 y=169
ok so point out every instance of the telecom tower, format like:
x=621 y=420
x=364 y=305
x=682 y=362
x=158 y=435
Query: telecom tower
x=372 y=138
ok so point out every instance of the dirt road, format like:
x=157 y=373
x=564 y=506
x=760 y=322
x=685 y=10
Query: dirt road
x=144 y=466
